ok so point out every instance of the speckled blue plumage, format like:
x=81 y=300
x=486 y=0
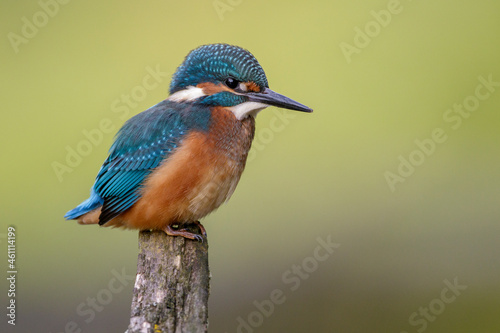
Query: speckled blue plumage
x=214 y=63
x=140 y=146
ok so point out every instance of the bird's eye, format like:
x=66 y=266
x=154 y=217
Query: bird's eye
x=231 y=83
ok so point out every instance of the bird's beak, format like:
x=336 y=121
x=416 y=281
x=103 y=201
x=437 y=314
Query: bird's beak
x=270 y=97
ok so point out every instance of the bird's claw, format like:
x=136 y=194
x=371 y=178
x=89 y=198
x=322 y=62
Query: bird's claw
x=199 y=238
x=201 y=227
x=169 y=230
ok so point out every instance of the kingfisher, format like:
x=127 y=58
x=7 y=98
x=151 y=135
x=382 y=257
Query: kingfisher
x=178 y=161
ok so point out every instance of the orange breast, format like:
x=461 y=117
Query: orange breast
x=196 y=179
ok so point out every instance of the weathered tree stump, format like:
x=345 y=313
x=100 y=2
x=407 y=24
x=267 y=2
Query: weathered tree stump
x=172 y=285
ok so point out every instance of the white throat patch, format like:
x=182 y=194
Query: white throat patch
x=185 y=95
x=242 y=110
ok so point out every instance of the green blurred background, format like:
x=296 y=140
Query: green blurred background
x=313 y=175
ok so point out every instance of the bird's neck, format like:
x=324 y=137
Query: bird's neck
x=231 y=136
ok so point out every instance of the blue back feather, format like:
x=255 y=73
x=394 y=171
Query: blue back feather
x=140 y=146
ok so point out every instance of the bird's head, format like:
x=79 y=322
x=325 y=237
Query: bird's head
x=229 y=76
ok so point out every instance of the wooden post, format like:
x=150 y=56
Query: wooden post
x=172 y=285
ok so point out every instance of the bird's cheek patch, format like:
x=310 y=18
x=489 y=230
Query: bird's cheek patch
x=210 y=88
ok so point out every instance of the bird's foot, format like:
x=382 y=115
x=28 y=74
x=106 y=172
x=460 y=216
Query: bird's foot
x=184 y=232
x=201 y=227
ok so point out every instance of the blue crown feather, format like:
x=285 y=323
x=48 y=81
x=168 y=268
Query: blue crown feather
x=215 y=63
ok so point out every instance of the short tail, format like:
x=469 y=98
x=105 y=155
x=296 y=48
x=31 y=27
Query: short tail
x=92 y=203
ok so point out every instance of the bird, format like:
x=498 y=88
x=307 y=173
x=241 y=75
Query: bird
x=176 y=162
